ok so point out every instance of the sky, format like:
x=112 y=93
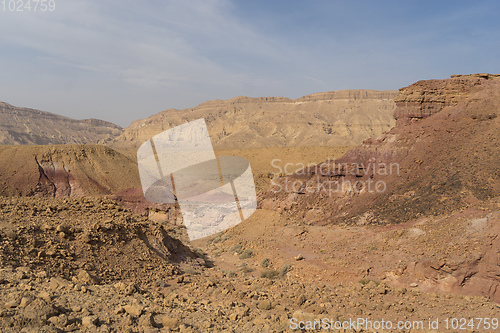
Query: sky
x=123 y=60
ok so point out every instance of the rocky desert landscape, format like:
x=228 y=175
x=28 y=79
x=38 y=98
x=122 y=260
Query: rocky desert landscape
x=378 y=211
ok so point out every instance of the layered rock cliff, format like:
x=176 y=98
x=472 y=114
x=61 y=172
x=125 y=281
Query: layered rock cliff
x=325 y=119
x=425 y=98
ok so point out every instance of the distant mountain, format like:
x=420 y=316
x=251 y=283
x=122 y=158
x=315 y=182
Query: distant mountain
x=336 y=118
x=22 y=126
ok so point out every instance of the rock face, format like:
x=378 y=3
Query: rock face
x=65 y=171
x=442 y=154
x=425 y=98
x=324 y=119
x=21 y=126
x=440 y=159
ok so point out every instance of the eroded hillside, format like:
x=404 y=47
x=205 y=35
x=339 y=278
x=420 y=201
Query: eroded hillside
x=65 y=171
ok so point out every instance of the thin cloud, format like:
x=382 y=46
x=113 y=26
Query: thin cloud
x=92 y=58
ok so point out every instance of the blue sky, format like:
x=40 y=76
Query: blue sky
x=122 y=60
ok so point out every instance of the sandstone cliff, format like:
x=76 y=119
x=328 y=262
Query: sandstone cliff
x=324 y=119
x=21 y=126
x=425 y=98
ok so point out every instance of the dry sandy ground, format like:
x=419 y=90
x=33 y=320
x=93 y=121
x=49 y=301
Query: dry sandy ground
x=88 y=265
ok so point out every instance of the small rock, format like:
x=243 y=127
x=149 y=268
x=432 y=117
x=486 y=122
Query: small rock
x=90 y=321
x=86 y=237
x=62 y=228
x=39 y=308
x=76 y=308
x=301 y=300
x=119 y=310
x=413 y=285
x=244 y=311
x=381 y=289
x=265 y=305
x=45 y=296
x=299 y=257
x=24 y=302
x=230 y=287
x=170 y=323
x=201 y=262
x=146 y=320
x=11 y=304
x=58 y=283
x=41 y=274
x=120 y=286
x=134 y=309
x=104 y=328
x=85 y=277
x=185 y=329
x=46 y=227
x=386 y=306
x=127 y=321
x=24 y=269
x=60 y=321
x=131 y=289
x=53 y=285
x=303 y=316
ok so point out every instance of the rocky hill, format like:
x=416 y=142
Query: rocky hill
x=65 y=171
x=442 y=155
x=444 y=150
x=22 y=126
x=435 y=175
x=336 y=118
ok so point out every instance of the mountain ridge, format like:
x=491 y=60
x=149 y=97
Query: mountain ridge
x=19 y=126
x=345 y=117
